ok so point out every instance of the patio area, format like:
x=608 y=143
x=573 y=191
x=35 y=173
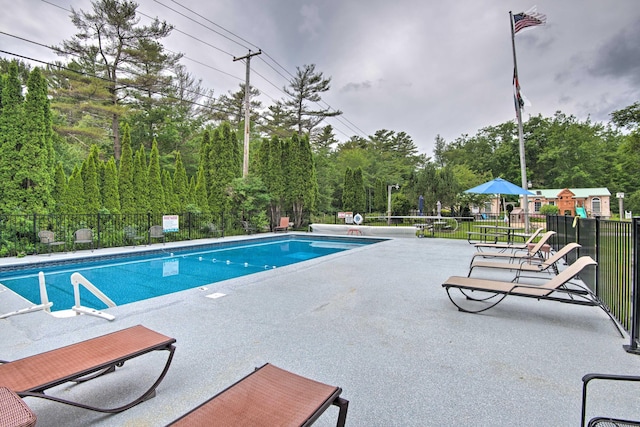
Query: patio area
x=374 y=321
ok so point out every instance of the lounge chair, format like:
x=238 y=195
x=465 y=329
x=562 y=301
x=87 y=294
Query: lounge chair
x=48 y=238
x=509 y=246
x=535 y=266
x=83 y=361
x=269 y=396
x=600 y=420
x=284 y=225
x=526 y=254
x=84 y=236
x=558 y=288
x=156 y=232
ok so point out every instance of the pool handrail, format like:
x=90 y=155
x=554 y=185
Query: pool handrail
x=78 y=279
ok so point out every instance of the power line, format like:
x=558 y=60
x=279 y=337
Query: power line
x=348 y=124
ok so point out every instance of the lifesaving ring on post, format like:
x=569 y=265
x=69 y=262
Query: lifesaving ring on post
x=357 y=218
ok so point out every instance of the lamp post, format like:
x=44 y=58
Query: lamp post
x=389 y=187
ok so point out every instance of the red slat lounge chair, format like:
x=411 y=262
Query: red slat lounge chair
x=83 y=361
x=269 y=396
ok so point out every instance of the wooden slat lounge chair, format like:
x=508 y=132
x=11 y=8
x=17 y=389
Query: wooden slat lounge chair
x=509 y=246
x=32 y=376
x=269 y=396
x=535 y=266
x=526 y=254
x=284 y=225
x=602 y=421
x=558 y=288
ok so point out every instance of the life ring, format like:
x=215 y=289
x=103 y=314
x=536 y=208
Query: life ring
x=357 y=218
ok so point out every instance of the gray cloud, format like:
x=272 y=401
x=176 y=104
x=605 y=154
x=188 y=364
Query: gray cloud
x=619 y=57
x=356 y=87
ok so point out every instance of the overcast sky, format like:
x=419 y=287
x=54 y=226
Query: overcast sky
x=424 y=67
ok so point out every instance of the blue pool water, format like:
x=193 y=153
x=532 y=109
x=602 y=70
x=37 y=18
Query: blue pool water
x=129 y=279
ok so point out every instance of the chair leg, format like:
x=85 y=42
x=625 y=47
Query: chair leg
x=343 y=404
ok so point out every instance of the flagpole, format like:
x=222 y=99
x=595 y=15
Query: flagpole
x=523 y=164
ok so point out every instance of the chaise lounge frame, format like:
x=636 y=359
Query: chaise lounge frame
x=532 y=253
x=32 y=376
x=534 y=266
x=558 y=288
x=268 y=396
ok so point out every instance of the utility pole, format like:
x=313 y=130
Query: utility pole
x=247 y=111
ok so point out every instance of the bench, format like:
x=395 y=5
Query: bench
x=84 y=361
x=476 y=236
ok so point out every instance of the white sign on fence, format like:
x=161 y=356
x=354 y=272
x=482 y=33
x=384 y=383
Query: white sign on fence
x=170 y=223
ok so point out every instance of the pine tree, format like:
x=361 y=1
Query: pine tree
x=156 y=193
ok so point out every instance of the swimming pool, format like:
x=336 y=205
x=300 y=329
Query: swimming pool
x=125 y=279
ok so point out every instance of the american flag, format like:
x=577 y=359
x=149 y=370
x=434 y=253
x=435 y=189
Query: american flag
x=530 y=18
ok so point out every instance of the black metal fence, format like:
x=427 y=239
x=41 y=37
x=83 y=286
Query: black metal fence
x=19 y=234
x=614 y=245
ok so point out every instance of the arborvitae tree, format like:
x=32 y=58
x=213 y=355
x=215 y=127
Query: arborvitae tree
x=359 y=196
x=110 y=194
x=33 y=170
x=271 y=171
x=75 y=193
x=302 y=183
x=156 y=194
x=11 y=130
x=180 y=184
x=200 y=196
x=141 y=180
x=191 y=192
x=125 y=175
x=170 y=198
x=89 y=175
x=225 y=164
x=59 y=190
x=347 y=192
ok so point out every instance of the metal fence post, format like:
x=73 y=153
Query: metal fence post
x=635 y=296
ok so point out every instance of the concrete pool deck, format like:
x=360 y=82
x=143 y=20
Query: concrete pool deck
x=373 y=320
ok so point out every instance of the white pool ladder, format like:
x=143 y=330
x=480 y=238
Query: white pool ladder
x=45 y=303
x=78 y=279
